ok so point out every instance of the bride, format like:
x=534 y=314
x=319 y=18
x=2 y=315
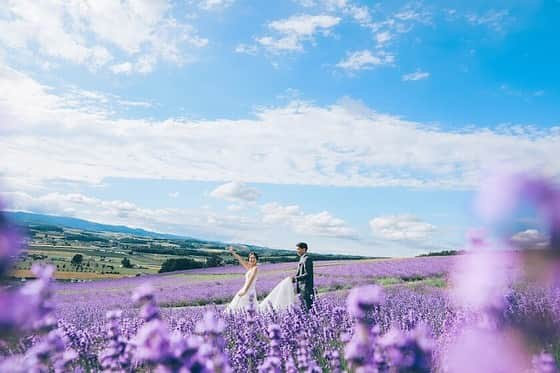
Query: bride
x=281 y=297
x=247 y=296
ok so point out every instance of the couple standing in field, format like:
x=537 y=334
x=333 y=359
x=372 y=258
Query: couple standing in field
x=283 y=295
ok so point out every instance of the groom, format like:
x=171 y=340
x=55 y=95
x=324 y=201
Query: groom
x=304 y=275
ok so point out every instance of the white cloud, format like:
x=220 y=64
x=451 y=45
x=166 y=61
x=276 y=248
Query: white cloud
x=324 y=224
x=345 y=144
x=417 y=75
x=335 y=4
x=276 y=213
x=413 y=12
x=173 y=194
x=320 y=224
x=196 y=222
x=383 y=38
x=92 y=33
x=305 y=3
x=401 y=227
x=130 y=103
x=360 y=14
x=403 y=20
x=494 y=19
x=199 y=223
x=236 y=191
x=399 y=23
x=236 y=208
x=144 y=65
x=247 y=49
x=122 y=68
x=365 y=60
x=97 y=102
x=524 y=94
x=530 y=238
x=214 y=4
x=292 y=32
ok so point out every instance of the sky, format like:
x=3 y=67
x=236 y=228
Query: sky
x=359 y=127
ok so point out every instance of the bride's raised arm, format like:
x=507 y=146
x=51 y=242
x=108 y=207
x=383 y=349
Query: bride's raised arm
x=242 y=261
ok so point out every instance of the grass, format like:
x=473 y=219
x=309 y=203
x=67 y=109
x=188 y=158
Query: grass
x=388 y=281
x=195 y=303
x=62 y=256
x=25 y=273
x=204 y=277
x=415 y=281
x=437 y=282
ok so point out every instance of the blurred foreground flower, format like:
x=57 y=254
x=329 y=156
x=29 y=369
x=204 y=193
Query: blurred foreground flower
x=11 y=242
x=481 y=278
x=485 y=276
x=28 y=312
x=503 y=194
x=117 y=356
x=361 y=304
x=487 y=351
x=157 y=347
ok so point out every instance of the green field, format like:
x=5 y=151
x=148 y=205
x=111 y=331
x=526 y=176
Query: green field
x=102 y=253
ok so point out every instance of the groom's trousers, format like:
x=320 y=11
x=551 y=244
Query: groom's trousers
x=307 y=298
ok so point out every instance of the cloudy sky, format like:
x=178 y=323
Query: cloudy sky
x=360 y=127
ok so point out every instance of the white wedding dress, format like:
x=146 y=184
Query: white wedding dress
x=240 y=303
x=281 y=297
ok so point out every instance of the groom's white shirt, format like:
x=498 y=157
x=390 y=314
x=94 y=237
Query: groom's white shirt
x=300 y=263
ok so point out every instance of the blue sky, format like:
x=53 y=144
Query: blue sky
x=359 y=127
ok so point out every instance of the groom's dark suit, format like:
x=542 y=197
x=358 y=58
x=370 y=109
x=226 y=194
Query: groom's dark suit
x=304 y=280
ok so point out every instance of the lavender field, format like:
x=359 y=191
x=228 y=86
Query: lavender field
x=487 y=310
x=125 y=325
x=217 y=285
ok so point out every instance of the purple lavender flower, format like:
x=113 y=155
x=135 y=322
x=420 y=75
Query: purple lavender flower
x=13 y=364
x=408 y=351
x=30 y=307
x=152 y=342
x=273 y=362
x=290 y=366
x=544 y=363
x=116 y=357
x=63 y=363
x=499 y=196
x=477 y=349
x=212 y=350
x=210 y=325
x=480 y=279
x=16 y=313
x=11 y=242
x=184 y=352
x=51 y=348
x=39 y=295
x=362 y=300
x=144 y=294
x=333 y=358
x=502 y=194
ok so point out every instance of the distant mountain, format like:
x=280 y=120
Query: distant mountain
x=26 y=218
x=32 y=219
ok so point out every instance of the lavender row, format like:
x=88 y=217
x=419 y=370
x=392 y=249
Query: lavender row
x=219 y=285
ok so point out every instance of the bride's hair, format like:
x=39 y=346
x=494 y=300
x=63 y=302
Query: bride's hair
x=254 y=254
